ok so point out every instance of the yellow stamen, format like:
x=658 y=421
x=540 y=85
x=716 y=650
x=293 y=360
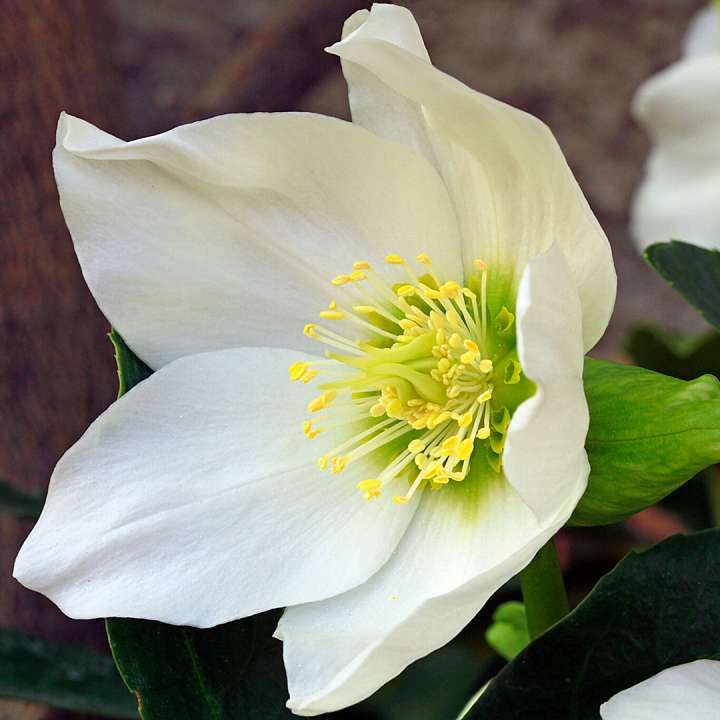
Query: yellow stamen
x=357 y=276
x=332 y=314
x=465 y=449
x=369 y=485
x=423 y=258
x=480 y=265
x=297 y=369
x=485 y=396
x=405 y=290
x=361 y=265
x=309 y=330
x=416 y=446
x=339 y=463
x=486 y=366
x=340 y=280
x=322 y=401
x=465 y=419
x=394 y=260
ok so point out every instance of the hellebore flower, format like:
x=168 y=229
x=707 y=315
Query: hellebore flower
x=683 y=692
x=679 y=197
x=442 y=255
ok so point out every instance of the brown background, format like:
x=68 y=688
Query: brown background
x=135 y=68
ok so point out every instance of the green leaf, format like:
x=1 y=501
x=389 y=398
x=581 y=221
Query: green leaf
x=20 y=504
x=231 y=672
x=693 y=271
x=73 y=678
x=681 y=356
x=508 y=634
x=130 y=369
x=656 y=609
x=649 y=433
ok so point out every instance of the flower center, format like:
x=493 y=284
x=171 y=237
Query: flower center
x=432 y=374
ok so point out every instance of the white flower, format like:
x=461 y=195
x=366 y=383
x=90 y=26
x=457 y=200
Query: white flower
x=683 y=692
x=679 y=197
x=467 y=272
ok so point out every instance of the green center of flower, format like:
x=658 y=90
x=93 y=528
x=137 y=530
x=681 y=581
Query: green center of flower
x=433 y=376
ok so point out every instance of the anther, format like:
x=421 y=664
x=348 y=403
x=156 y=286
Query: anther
x=297 y=369
x=332 y=314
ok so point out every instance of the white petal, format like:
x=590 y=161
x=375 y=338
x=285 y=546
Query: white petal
x=463 y=544
x=544 y=458
x=512 y=189
x=226 y=232
x=195 y=499
x=683 y=692
x=703 y=35
x=680 y=194
x=373 y=104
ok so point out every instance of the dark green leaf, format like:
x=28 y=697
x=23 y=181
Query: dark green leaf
x=63 y=676
x=649 y=433
x=656 y=609
x=683 y=357
x=693 y=271
x=230 y=672
x=508 y=634
x=20 y=504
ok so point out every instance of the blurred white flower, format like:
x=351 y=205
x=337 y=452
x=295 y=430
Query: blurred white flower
x=679 y=197
x=460 y=276
x=684 y=692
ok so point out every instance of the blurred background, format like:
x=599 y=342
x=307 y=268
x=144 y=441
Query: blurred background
x=135 y=68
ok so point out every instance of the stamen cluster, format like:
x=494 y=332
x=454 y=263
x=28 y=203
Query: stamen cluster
x=426 y=376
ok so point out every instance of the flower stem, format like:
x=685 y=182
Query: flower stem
x=543 y=590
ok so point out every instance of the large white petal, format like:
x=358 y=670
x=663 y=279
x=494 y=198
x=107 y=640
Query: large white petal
x=463 y=544
x=683 y=692
x=680 y=194
x=195 y=499
x=544 y=456
x=226 y=232
x=703 y=35
x=512 y=189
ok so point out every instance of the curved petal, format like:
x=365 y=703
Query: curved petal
x=511 y=187
x=683 y=692
x=544 y=458
x=195 y=499
x=680 y=194
x=463 y=544
x=373 y=104
x=703 y=35
x=226 y=232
